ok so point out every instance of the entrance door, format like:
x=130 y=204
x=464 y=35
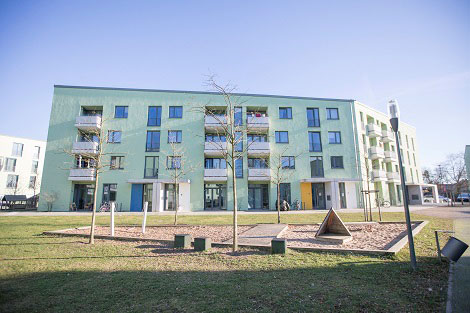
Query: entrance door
x=258 y=196
x=342 y=195
x=83 y=196
x=318 y=196
x=215 y=196
x=170 y=192
x=147 y=196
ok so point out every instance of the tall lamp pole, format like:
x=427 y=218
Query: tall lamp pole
x=394 y=113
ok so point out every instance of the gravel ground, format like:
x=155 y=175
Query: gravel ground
x=216 y=233
x=365 y=236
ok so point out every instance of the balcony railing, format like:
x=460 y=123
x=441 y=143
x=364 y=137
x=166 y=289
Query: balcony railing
x=373 y=130
x=379 y=175
x=258 y=148
x=259 y=174
x=87 y=147
x=376 y=153
x=387 y=136
x=390 y=156
x=257 y=122
x=393 y=177
x=88 y=123
x=212 y=148
x=215 y=174
x=214 y=122
x=82 y=174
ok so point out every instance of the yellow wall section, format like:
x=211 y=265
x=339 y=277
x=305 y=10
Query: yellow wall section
x=306 y=195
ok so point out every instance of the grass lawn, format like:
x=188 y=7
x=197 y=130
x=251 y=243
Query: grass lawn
x=53 y=274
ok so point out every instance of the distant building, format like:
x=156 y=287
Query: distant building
x=21 y=163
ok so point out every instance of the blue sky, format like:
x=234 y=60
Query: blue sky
x=372 y=51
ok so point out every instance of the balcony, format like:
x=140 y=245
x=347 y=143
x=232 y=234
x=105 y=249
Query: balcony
x=376 y=153
x=379 y=175
x=257 y=123
x=214 y=122
x=393 y=177
x=258 y=149
x=259 y=174
x=390 y=156
x=82 y=174
x=215 y=174
x=212 y=148
x=88 y=123
x=374 y=130
x=387 y=136
x=87 y=147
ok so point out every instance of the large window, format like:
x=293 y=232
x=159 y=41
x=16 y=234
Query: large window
x=151 y=167
x=120 y=111
x=257 y=163
x=285 y=112
x=282 y=137
x=153 y=141
x=239 y=142
x=173 y=162
x=239 y=168
x=288 y=162
x=284 y=192
x=109 y=192
x=155 y=116
x=314 y=141
x=337 y=162
x=34 y=167
x=114 y=136
x=17 y=149
x=313 y=117
x=238 y=117
x=117 y=163
x=332 y=114
x=316 y=166
x=215 y=138
x=256 y=138
x=32 y=182
x=175 y=136
x=12 y=181
x=36 y=152
x=334 y=137
x=176 y=112
x=10 y=165
x=215 y=163
x=1 y=163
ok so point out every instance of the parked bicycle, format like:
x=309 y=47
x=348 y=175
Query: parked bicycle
x=382 y=203
x=296 y=205
x=105 y=207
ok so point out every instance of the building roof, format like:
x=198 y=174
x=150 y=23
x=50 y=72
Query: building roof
x=14 y=198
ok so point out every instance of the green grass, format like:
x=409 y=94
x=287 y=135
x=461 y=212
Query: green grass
x=41 y=273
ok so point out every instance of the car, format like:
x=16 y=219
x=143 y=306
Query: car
x=463 y=197
x=443 y=199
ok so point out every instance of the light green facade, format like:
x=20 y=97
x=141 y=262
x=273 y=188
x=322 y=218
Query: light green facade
x=467 y=160
x=68 y=101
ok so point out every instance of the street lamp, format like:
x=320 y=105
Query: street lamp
x=394 y=113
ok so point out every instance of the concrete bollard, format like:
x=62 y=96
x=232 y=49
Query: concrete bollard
x=112 y=209
x=278 y=246
x=183 y=241
x=202 y=244
x=144 y=222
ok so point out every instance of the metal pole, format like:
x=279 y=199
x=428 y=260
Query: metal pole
x=112 y=218
x=405 y=197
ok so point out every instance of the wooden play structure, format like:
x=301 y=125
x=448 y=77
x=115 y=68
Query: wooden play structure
x=333 y=229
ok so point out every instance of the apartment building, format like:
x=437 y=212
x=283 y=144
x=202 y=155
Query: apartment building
x=323 y=142
x=467 y=160
x=21 y=163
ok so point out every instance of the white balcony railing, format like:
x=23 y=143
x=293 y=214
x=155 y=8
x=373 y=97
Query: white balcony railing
x=257 y=122
x=379 y=175
x=390 y=156
x=87 y=147
x=376 y=153
x=215 y=174
x=387 y=136
x=258 y=148
x=82 y=174
x=374 y=130
x=215 y=148
x=88 y=123
x=393 y=177
x=260 y=174
x=214 y=122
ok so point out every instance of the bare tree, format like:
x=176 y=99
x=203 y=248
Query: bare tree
x=178 y=167
x=36 y=186
x=455 y=172
x=50 y=198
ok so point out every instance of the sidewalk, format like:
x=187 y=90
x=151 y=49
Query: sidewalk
x=461 y=276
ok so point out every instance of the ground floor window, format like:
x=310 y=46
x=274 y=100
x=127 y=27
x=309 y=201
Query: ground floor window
x=258 y=196
x=83 y=197
x=285 y=192
x=109 y=192
x=215 y=197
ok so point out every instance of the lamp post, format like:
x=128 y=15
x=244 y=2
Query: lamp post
x=394 y=114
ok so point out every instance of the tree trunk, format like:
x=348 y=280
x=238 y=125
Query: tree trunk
x=278 y=204
x=176 y=202
x=93 y=215
x=235 y=208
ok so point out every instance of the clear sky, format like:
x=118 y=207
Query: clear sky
x=371 y=51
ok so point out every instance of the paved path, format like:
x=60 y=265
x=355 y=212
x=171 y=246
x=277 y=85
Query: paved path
x=456 y=212
x=261 y=234
x=461 y=276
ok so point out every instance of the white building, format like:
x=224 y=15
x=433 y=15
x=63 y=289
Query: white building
x=21 y=163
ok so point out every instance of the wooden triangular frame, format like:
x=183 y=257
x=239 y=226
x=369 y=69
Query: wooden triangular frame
x=332 y=224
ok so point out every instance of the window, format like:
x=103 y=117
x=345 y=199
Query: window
x=407 y=142
x=284 y=192
x=238 y=117
x=1 y=163
x=34 y=167
x=153 y=141
x=409 y=159
x=316 y=166
x=334 y=137
x=10 y=165
x=282 y=137
x=151 y=167
x=173 y=162
x=114 y=136
x=32 y=182
x=176 y=112
x=215 y=163
x=337 y=162
x=285 y=112
x=36 y=152
x=314 y=141
x=288 y=162
x=117 y=163
x=154 y=116
x=120 y=112
x=109 y=192
x=414 y=159
x=215 y=138
x=12 y=181
x=239 y=168
x=175 y=136
x=17 y=149
x=256 y=138
x=332 y=114
x=313 y=117
x=413 y=143
x=257 y=163
x=239 y=142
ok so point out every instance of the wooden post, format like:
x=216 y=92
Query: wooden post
x=146 y=204
x=112 y=217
